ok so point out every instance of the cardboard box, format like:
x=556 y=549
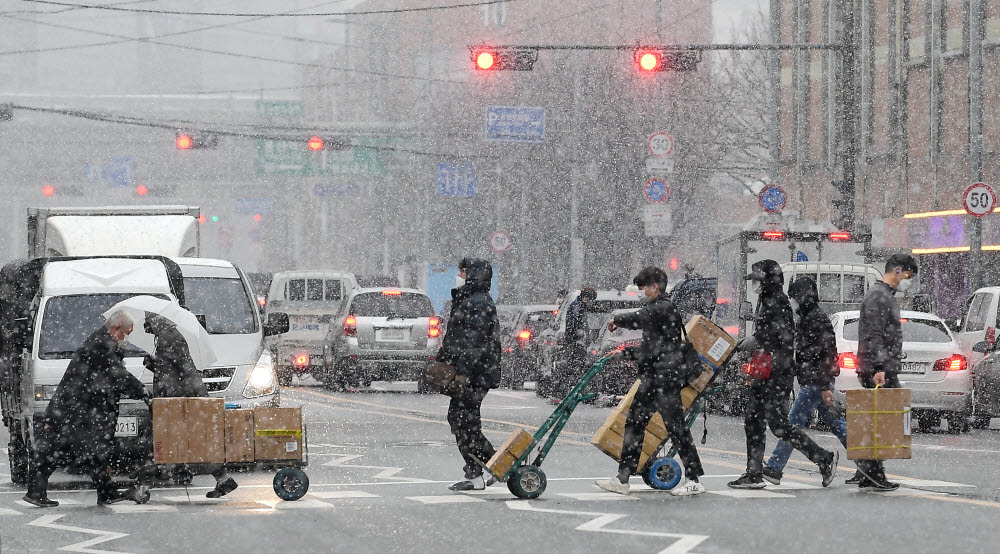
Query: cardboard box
x=611 y=443
x=620 y=412
x=188 y=431
x=878 y=424
x=711 y=341
x=277 y=433
x=239 y=436
x=517 y=443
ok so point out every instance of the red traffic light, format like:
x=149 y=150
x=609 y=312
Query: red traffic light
x=256 y=217
x=184 y=141
x=202 y=218
x=49 y=190
x=315 y=143
x=675 y=264
x=649 y=61
x=141 y=190
x=485 y=60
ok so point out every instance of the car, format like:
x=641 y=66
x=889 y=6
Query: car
x=986 y=385
x=383 y=334
x=619 y=374
x=979 y=322
x=561 y=362
x=519 y=342
x=507 y=314
x=934 y=368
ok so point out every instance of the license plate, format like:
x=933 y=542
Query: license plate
x=127 y=427
x=391 y=335
x=913 y=368
x=304 y=323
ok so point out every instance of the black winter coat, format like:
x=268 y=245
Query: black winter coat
x=775 y=333
x=472 y=341
x=83 y=411
x=174 y=373
x=660 y=355
x=815 y=344
x=880 y=333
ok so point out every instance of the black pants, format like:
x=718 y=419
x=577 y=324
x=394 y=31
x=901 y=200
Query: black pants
x=466 y=424
x=874 y=468
x=666 y=401
x=767 y=406
x=53 y=452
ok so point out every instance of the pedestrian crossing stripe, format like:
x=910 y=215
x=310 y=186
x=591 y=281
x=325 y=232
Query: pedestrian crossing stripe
x=196 y=500
x=141 y=508
x=9 y=512
x=303 y=504
x=328 y=495
x=63 y=503
x=597 y=496
x=445 y=499
x=751 y=493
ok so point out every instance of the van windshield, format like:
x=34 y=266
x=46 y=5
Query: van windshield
x=224 y=303
x=405 y=305
x=69 y=320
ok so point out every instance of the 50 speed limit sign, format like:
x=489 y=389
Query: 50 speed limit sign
x=980 y=200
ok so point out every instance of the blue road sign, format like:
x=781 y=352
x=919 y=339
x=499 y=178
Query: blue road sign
x=800 y=256
x=772 y=198
x=117 y=171
x=344 y=190
x=515 y=124
x=657 y=190
x=457 y=179
x=251 y=206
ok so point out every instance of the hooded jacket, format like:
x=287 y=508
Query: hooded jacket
x=880 y=333
x=174 y=373
x=774 y=329
x=660 y=356
x=815 y=341
x=472 y=341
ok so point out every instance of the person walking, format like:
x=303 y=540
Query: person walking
x=78 y=428
x=816 y=369
x=767 y=396
x=472 y=345
x=880 y=347
x=663 y=372
x=175 y=376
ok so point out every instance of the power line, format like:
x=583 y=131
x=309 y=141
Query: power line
x=233 y=14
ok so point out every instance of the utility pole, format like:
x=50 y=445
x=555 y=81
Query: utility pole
x=575 y=242
x=849 y=101
x=976 y=35
x=774 y=75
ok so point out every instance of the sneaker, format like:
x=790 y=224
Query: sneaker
x=772 y=476
x=113 y=498
x=222 y=489
x=882 y=486
x=855 y=479
x=40 y=501
x=474 y=484
x=687 y=487
x=748 y=481
x=613 y=485
x=829 y=469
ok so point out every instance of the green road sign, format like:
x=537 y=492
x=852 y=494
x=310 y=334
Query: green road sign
x=280 y=109
x=277 y=157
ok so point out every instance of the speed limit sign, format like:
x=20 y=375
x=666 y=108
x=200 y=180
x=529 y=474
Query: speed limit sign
x=980 y=200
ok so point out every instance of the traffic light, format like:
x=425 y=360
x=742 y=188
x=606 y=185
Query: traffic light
x=48 y=190
x=653 y=58
x=317 y=143
x=185 y=140
x=141 y=190
x=503 y=58
x=256 y=217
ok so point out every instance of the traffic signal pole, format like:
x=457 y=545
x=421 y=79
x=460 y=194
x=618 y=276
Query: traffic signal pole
x=976 y=36
x=576 y=250
x=849 y=102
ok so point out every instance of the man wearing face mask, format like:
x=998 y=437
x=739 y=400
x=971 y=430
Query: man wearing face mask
x=767 y=398
x=662 y=374
x=79 y=425
x=880 y=347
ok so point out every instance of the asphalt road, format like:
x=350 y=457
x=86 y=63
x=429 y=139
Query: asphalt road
x=381 y=462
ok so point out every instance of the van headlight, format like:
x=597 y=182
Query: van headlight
x=45 y=392
x=262 y=380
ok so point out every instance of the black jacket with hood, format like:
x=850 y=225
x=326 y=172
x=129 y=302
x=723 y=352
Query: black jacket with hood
x=815 y=341
x=880 y=333
x=174 y=373
x=660 y=356
x=472 y=342
x=774 y=329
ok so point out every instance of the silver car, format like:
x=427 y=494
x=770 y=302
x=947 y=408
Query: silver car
x=384 y=334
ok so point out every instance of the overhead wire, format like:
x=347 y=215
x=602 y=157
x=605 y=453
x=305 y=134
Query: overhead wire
x=277 y=14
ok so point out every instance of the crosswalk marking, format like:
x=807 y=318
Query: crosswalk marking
x=128 y=508
x=492 y=491
x=343 y=494
x=445 y=499
x=751 y=493
x=930 y=483
x=792 y=486
x=196 y=500
x=597 y=496
x=303 y=504
x=9 y=512
x=63 y=503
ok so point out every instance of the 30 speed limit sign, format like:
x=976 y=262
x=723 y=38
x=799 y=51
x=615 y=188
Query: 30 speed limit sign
x=980 y=200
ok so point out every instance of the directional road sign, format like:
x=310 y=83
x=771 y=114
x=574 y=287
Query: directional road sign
x=657 y=220
x=657 y=190
x=659 y=165
x=457 y=179
x=515 y=124
x=772 y=198
x=979 y=200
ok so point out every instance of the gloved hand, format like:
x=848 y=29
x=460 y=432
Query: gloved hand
x=148 y=399
x=746 y=344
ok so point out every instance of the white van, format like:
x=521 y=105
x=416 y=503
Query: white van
x=979 y=322
x=311 y=299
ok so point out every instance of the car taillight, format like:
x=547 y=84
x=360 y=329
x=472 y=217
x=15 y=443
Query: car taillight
x=434 y=327
x=954 y=363
x=392 y=292
x=847 y=360
x=302 y=360
x=991 y=335
x=350 y=326
x=523 y=337
x=840 y=236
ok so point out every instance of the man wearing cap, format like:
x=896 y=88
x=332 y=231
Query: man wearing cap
x=662 y=374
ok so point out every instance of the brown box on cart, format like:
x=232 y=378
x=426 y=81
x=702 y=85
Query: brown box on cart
x=519 y=442
x=878 y=424
x=278 y=434
x=169 y=436
x=608 y=441
x=188 y=430
x=239 y=436
x=617 y=418
x=712 y=343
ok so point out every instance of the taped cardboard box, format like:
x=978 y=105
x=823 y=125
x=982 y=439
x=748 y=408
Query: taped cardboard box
x=517 y=443
x=620 y=412
x=277 y=434
x=169 y=437
x=188 y=431
x=611 y=443
x=239 y=436
x=878 y=424
x=710 y=340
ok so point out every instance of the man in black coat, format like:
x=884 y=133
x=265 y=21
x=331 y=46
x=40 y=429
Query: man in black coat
x=880 y=347
x=663 y=372
x=472 y=345
x=79 y=424
x=767 y=399
x=175 y=375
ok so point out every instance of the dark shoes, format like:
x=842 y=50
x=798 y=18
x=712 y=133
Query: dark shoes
x=883 y=485
x=829 y=468
x=113 y=497
x=474 y=484
x=748 y=481
x=38 y=486
x=857 y=478
x=40 y=500
x=772 y=476
x=222 y=489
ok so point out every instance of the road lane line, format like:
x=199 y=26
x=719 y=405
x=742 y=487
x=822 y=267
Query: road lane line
x=9 y=512
x=303 y=504
x=445 y=499
x=141 y=508
x=750 y=493
x=328 y=495
x=83 y=546
x=597 y=496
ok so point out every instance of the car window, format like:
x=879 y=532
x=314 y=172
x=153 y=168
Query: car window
x=295 y=289
x=829 y=287
x=967 y=310
x=914 y=330
x=854 y=288
x=977 y=315
x=403 y=305
x=69 y=320
x=334 y=290
x=227 y=308
x=314 y=289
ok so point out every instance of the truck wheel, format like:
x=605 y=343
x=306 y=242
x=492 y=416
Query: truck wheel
x=19 y=457
x=422 y=386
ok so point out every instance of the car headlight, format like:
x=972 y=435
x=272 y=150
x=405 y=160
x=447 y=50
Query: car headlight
x=262 y=380
x=45 y=392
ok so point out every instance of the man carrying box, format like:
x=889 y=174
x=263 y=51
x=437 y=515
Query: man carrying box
x=663 y=372
x=880 y=347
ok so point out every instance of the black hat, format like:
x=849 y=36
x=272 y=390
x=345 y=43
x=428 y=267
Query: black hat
x=767 y=272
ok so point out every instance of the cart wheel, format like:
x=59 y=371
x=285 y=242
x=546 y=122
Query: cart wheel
x=291 y=483
x=528 y=482
x=646 y=479
x=663 y=474
x=140 y=494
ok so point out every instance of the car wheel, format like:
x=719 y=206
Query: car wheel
x=981 y=422
x=928 y=421
x=958 y=422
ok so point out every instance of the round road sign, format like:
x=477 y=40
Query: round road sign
x=657 y=190
x=979 y=200
x=660 y=144
x=772 y=198
x=500 y=241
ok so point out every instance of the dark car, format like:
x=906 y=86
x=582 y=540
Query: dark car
x=986 y=386
x=620 y=374
x=520 y=343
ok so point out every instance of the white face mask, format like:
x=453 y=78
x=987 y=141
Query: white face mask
x=905 y=285
x=459 y=282
x=795 y=305
x=757 y=287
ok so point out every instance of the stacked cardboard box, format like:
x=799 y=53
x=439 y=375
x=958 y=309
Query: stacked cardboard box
x=188 y=431
x=519 y=442
x=712 y=343
x=277 y=434
x=878 y=424
x=611 y=436
x=239 y=436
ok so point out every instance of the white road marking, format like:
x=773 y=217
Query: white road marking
x=492 y=491
x=792 y=486
x=63 y=503
x=196 y=500
x=597 y=496
x=129 y=508
x=304 y=504
x=386 y=473
x=9 y=512
x=682 y=545
x=343 y=494
x=84 y=546
x=445 y=499
x=751 y=493
x=930 y=483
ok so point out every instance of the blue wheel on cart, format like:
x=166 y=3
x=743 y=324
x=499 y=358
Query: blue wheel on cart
x=663 y=474
x=291 y=483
